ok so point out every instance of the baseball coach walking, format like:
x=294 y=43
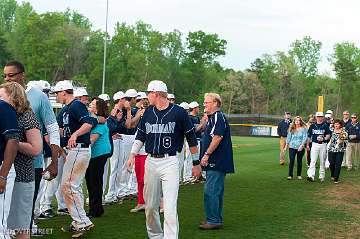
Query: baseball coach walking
x=217 y=160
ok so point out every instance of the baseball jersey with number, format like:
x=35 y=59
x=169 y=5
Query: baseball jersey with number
x=74 y=115
x=316 y=130
x=163 y=131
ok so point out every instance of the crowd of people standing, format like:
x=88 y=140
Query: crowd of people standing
x=335 y=142
x=147 y=144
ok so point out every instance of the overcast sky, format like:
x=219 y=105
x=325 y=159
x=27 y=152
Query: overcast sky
x=251 y=27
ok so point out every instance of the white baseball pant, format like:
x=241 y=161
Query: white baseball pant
x=127 y=181
x=105 y=175
x=161 y=175
x=344 y=164
x=327 y=163
x=187 y=170
x=317 y=150
x=53 y=188
x=185 y=159
x=116 y=163
x=5 y=203
x=74 y=171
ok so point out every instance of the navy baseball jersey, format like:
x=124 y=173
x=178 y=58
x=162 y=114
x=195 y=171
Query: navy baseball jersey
x=8 y=126
x=316 y=130
x=133 y=113
x=59 y=119
x=74 y=115
x=195 y=120
x=115 y=126
x=163 y=131
x=222 y=158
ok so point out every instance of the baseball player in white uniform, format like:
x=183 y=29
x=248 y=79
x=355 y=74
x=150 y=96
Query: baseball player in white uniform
x=162 y=130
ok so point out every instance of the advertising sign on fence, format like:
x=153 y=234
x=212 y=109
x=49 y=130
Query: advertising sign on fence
x=260 y=131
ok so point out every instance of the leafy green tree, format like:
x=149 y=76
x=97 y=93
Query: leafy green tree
x=306 y=53
x=346 y=62
x=232 y=93
x=93 y=64
x=7 y=14
x=266 y=70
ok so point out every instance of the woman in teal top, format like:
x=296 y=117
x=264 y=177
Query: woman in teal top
x=296 y=141
x=100 y=151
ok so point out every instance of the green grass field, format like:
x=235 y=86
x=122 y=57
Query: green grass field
x=259 y=203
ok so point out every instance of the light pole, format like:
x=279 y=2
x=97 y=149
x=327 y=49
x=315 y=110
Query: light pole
x=105 y=45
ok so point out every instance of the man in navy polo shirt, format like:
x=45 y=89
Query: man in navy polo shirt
x=217 y=160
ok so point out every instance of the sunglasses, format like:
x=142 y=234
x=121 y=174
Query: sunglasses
x=353 y=117
x=10 y=75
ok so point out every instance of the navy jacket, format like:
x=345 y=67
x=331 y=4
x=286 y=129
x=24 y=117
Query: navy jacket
x=283 y=127
x=354 y=130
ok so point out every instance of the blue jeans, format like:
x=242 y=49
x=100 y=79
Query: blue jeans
x=214 y=196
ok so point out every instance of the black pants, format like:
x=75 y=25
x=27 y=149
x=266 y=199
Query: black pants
x=292 y=154
x=335 y=160
x=38 y=177
x=94 y=181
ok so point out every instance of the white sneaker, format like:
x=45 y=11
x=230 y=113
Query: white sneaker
x=299 y=177
x=138 y=208
x=322 y=180
x=109 y=202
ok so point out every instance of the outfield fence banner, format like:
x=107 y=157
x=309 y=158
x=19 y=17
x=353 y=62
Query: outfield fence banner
x=254 y=124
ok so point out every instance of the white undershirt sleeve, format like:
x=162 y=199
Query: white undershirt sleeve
x=54 y=133
x=137 y=145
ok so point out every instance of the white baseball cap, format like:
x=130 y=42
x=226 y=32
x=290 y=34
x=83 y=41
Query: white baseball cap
x=80 y=92
x=171 y=96
x=104 y=97
x=157 y=86
x=319 y=114
x=141 y=95
x=184 y=105
x=193 y=105
x=119 y=95
x=132 y=93
x=45 y=85
x=329 y=112
x=63 y=85
x=34 y=84
x=327 y=115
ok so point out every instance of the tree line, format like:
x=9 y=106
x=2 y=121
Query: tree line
x=62 y=45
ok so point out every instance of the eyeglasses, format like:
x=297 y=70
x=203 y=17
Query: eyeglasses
x=353 y=117
x=10 y=75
